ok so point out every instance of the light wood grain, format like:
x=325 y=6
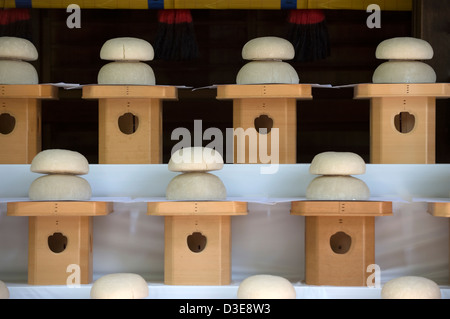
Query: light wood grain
x=341 y=208
x=388 y=145
x=59 y=208
x=197 y=208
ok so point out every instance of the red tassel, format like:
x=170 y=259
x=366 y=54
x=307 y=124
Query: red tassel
x=309 y=34
x=15 y=22
x=306 y=16
x=8 y=16
x=175 y=38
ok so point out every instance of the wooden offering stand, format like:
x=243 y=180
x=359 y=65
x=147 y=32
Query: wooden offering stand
x=339 y=240
x=266 y=106
x=402 y=121
x=130 y=122
x=197 y=237
x=440 y=209
x=60 y=239
x=20 y=121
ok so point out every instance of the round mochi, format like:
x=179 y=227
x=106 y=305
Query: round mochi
x=267 y=72
x=17 y=49
x=195 y=159
x=404 y=48
x=128 y=73
x=268 y=48
x=127 y=49
x=60 y=187
x=266 y=287
x=17 y=72
x=410 y=287
x=196 y=186
x=59 y=161
x=404 y=72
x=337 y=188
x=119 y=286
x=4 y=291
x=337 y=163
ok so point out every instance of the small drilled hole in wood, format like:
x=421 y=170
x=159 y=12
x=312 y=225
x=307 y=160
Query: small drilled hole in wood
x=7 y=123
x=196 y=242
x=340 y=242
x=404 y=122
x=57 y=242
x=263 y=124
x=128 y=123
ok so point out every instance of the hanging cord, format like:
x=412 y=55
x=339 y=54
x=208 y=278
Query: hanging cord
x=175 y=36
x=15 y=22
x=309 y=34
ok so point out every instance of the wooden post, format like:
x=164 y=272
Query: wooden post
x=270 y=106
x=339 y=240
x=402 y=121
x=59 y=239
x=197 y=240
x=440 y=209
x=130 y=122
x=20 y=121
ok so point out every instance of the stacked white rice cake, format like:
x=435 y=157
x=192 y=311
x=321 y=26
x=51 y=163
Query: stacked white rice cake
x=267 y=66
x=61 y=181
x=14 y=66
x=266 y=286
x=404 y=65
x=411 y=287
x=127 y=68
x=195 y=182
x=335 y=181
x=120 y=286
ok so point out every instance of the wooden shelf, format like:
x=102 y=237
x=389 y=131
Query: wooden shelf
x=129 y=91
x=341 y=208
x=59 y=208
x=29 y=91
x=235 y=91
x=368 y=90
x=197 y=208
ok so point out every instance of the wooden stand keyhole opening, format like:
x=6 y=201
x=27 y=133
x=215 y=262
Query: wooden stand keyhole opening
x=57 y=242
x=197 y=240
x=128 y=123
x=7 y=123
x=263 y=124
x=340 y=242
x=404 y=122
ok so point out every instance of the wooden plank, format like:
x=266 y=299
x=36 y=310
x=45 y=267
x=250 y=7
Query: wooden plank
x=439 y=209
x=341 y=208
x=367 y=90
x=27 y=91
x=59 y=208
x=197 y=208
x=130 y=91
x=297 y=91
